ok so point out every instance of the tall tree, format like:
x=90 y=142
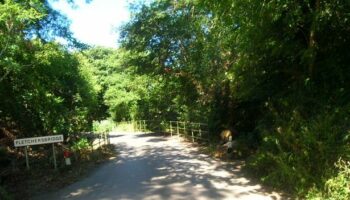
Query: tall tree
x=276 y=70
x=42 y=87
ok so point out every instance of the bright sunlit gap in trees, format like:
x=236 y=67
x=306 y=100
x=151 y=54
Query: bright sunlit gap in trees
x=96 y=22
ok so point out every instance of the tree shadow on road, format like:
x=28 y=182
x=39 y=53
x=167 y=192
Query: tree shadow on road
x=162 y=171
x=154 y=134
x=115 y=136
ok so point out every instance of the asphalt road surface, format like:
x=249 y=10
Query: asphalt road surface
x=154 y=167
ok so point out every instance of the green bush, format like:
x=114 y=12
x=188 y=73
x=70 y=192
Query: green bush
x=4 y=194
x=298 y=154
x=337 y=187
x=124 y=126
x=4 y=157
x=107 y=125
x=81 y=144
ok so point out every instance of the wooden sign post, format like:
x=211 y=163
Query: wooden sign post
x=25 y=142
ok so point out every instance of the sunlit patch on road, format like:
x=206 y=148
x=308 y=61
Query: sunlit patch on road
x=155 y=167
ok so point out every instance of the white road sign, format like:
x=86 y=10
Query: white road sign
x=38 y=140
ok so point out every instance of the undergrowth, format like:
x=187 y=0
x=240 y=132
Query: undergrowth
x=4 y=194
x=298 y=155
x=336 y=187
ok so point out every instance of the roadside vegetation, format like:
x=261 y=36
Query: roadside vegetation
x=42 y=178
x=276 y=71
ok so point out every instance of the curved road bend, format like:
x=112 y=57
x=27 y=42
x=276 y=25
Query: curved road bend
x=154 y=167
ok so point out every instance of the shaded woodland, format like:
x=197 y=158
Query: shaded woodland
x=277 y=71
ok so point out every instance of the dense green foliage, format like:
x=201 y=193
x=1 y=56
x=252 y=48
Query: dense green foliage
x=275 y=70
x=336 y=188
x=42 y=87
x=118 y=88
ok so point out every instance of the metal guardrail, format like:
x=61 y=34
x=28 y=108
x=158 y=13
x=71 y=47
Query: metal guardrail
x=97 y=139
x=192 y=130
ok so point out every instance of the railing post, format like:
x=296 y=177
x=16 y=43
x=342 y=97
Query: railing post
x=177 y=128
x=159 y=126
x=134 y=126
x=171 y=129
x=192 y=133
x=108 y=138
x=207 y=129
x=27 y=157
x=142 y=125
x=103 y=137
x=185 y=128
x=54 y=156
x=99 y=140
x=93 y=136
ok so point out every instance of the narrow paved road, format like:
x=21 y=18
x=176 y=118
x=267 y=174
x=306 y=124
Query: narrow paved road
x=154 y=167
